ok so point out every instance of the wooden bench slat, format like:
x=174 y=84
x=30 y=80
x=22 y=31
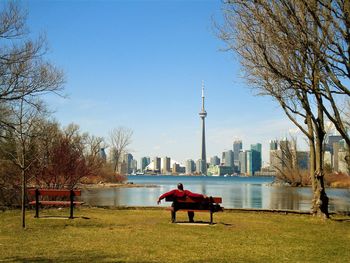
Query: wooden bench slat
x=54 y=192
x=192 y=210
x=216 y=200
x=56 y=203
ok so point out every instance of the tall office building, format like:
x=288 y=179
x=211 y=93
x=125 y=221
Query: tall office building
x=256 y=152
x=144 y=162
x=133 y=166
x=203 y=115
x=330 y=140
x=165 y=165
x=157 y=164
x=223 y=158
x=249 y=166
x=273 y=145
x=103 y=154
x=201 y=166
x=175 y=168
x=275 y=156
x=302 y=160
x=190 y=166
x=237 y=148
x=127 y=160
x=229 y=158
x=215 y=160
x=243 y=162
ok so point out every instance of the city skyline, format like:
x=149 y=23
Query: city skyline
x=138 y=65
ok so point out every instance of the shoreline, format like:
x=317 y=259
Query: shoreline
x=115 y=185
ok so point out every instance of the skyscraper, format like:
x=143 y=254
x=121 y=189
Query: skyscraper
x=103 y=154
x=215 y=160
x=202 y=115
x=166 y=165
x=256 y=163
x=237 y=147
x=243 y=162
x=128 y=158
x=273 y=145
x=144 y=162
x=229 y=158
x=157 y=164
x=190 y=166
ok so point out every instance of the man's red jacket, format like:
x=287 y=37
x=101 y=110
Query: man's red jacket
x=180 y=194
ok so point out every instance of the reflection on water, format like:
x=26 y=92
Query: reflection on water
x=236 y=192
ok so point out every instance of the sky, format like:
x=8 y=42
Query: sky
x=140 y=65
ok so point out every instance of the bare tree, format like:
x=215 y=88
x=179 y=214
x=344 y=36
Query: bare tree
x=24 y=120
x=283 y=52
x=23 y=72
x=24 y=76
x=120 y=139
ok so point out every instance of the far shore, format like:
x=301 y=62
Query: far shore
x=116 y=185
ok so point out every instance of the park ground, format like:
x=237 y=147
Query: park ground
x=146 y=235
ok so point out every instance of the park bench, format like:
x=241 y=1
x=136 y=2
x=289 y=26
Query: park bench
x=41 y=193
x=188 y=204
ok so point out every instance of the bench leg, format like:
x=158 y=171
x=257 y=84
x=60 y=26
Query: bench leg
x=71 y=213
x=71 y=197
x=36 y=210
x=36 y=203
x=190 y=216
x=173 y=216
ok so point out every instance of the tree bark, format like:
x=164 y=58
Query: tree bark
x=320 y=199
x=24 y=197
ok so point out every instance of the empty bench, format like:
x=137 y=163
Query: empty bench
x=188 y=204
x=40 y=193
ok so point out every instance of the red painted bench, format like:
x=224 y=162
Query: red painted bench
x=54 y=193
x=187 y=204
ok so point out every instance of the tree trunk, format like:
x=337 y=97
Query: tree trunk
x=320 y=198
x=24 y=190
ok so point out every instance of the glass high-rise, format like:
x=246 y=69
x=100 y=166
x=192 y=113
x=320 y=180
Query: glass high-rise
x=144 y=162
x=215 y=160
x=237 y=148
x=256 y=158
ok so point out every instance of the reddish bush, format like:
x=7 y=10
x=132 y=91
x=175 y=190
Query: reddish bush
x=337 y=180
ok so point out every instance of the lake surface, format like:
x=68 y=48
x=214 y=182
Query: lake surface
x=236 y=192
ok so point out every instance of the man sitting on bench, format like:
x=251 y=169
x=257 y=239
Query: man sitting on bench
x=181 y=193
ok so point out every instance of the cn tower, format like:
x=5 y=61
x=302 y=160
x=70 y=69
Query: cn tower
x=202 y=115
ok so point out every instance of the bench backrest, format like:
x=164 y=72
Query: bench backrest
x=216 y=200
x=54 y=192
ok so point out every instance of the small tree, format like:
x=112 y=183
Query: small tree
x=120 y=139
x=24 y=76
x=24 y=120
x=66 y=156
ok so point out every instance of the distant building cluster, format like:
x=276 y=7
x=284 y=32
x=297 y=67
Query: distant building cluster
x=335 y=153
x=234 y=161
x=237 y=161
x=283 y=155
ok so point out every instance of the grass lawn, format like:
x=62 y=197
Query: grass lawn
x=108 y=235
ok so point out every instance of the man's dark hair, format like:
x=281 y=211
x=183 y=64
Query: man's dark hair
x=180 y=186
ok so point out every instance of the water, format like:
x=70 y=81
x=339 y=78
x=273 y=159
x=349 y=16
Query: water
x=236 y=192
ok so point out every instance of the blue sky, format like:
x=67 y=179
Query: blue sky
x=140 y=64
